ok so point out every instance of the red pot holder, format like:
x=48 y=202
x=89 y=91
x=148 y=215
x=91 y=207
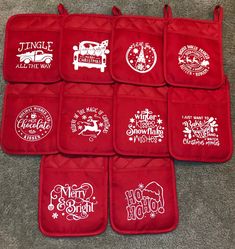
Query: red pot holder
x=199 y=124
x=32 y=48
x=143 y=195
x=193 y=52
x=140 y=120
x=85 y=48
x=73 y=195
x=29 y=120
x=137 y=50
x=85 y=125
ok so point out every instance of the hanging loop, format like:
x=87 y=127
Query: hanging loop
x=62 y=10
x=167 y=12
x=116 y=11
x=218 y=13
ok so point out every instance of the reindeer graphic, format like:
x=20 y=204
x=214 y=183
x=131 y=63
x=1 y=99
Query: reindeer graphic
x=205 y=63
x=181 y=61
x=90 y=125
x=192 y=60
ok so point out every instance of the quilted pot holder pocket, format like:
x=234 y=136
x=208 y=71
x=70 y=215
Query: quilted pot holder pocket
x=200 y=124
x=32 y=48
x=85 y=125
x=29 y=120
x=73 y=195
x=193 y=52
x=143 y=196
x=140 y=120
x=85 y=48
x=137 y=50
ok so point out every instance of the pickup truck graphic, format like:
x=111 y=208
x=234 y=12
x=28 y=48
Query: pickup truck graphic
x=35 y=56
x=91 y=55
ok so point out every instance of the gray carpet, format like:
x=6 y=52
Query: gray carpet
x=206 y=192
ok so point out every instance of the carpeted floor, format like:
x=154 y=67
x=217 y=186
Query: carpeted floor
x=206 y=192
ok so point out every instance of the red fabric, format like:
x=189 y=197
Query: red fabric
x=85 y=48
x=140 y=120
x=32 y=48
x=85 y=125
x=199 y=124
x=193 y=52
x=29 y=120
x=143 y=195
x=137 y=50
x=73 y=195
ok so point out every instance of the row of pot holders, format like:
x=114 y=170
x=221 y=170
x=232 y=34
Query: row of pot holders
x=73 y=198
x=93 y=48
x=89 y=119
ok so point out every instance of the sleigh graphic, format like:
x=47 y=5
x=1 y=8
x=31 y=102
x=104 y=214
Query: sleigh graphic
x=35 y=56
x=200 y=129
x=90 y=54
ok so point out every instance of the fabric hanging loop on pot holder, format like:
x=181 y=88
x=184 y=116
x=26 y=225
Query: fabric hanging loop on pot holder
x=73 y=195
x=85 y=48
x=199 y=124
x=85 y=125
x=143 y=196
x=32 y=48
x=29 y=120
x=137 y=50
x=193 y=52
x=140 y=121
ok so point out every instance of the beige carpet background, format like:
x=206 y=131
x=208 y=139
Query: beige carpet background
x=206 y=192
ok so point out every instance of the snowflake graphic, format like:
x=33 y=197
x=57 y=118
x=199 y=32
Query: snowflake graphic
x=140 y=67
x=84 y=117
x=159 y=121
x=141 y=186
x=54 y=215
x=152 y=215
x=132 y=120
x=101 y=124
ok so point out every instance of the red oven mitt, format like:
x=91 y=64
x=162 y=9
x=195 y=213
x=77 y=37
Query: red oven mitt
x=140 y=120
x=85 y=125
x=143 y=195
x=137 y=50
x=199 y=124
x=32 y=48
x=29 y=119
x=73 y=195
x=193 y=52
x=85 y=48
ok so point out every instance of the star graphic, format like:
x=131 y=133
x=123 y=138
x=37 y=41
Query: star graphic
x=79 y=127
x=159 y=121
x=101 y=124
x=84 y=117
x=141 y=186
x=132 y=120
x=54 y=215
x=152 y=215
